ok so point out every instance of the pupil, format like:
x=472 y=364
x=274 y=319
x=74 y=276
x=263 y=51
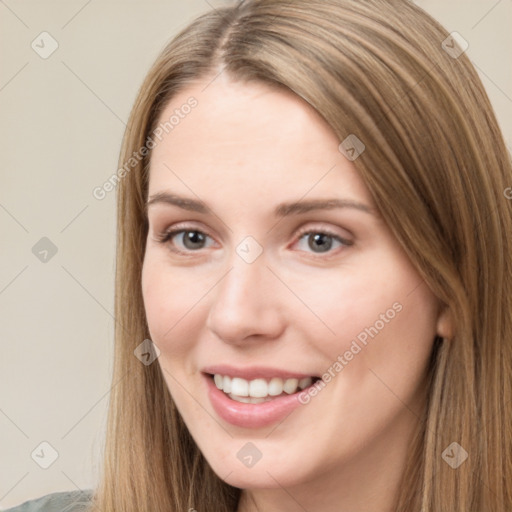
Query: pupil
x=191 y=238
x=323 y=245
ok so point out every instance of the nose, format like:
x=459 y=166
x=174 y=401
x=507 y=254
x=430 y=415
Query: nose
x=245 y=303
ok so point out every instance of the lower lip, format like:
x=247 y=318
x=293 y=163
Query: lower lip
x=250 y=415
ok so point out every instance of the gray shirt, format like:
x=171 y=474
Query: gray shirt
x=66 y=501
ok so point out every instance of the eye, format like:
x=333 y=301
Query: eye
x=191 y=239
x=322 y=241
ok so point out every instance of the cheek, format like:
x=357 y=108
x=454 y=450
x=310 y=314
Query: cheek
x=171 y=300
x=378 y=315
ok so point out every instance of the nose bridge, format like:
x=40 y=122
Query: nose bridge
x=244 y=301
x=244 y=283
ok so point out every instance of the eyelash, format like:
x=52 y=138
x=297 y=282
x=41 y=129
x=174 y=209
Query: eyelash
x=166 y=237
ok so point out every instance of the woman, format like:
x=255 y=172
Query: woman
x=314 y=282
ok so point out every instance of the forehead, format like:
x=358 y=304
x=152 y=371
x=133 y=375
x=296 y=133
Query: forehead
x=247 y=139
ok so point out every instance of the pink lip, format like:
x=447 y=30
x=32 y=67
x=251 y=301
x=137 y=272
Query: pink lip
x=250 y=415
x=254 y=372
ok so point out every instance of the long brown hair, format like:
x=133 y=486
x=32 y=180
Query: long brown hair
x=438 y=169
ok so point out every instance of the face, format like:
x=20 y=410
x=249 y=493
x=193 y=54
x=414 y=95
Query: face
x=254 y=291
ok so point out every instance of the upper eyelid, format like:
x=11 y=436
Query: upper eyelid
x=178 y=227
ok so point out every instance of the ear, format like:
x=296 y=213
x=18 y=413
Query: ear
x=445 y=323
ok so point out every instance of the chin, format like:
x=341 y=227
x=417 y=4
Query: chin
x=264 y=474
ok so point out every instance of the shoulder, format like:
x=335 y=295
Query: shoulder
x=65 y=501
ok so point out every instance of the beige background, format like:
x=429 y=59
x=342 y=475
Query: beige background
x=61 y=126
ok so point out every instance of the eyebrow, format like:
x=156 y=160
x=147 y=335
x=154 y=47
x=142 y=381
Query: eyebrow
x=281 y=210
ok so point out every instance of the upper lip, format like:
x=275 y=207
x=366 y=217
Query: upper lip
x=254 y=372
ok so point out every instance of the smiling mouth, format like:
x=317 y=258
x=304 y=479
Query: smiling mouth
x=260 y=390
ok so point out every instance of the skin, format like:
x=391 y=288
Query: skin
x=244 y=149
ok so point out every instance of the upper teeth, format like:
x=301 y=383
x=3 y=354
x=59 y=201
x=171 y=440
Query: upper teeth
x=260 y=388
